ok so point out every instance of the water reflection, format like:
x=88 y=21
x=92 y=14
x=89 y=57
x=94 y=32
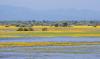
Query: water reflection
x=51 y=52
x=67 y=52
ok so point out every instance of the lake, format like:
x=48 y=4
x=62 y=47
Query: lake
x=51 y=52
x=50 y=39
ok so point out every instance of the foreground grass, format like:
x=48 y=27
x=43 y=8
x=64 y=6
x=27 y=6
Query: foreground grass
x=21 y=34
x=26 y=44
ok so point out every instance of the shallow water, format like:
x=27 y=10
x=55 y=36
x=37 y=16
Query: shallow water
x=47 y=52
x=54 y=39
x=51 y=52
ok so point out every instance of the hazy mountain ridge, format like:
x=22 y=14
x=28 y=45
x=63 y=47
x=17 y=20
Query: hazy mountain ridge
x=18 y=13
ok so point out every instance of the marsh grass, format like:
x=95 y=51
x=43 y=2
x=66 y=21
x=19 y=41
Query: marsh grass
x=22 y=34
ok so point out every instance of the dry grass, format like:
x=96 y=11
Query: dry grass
x=26 y=44
x=52 y=31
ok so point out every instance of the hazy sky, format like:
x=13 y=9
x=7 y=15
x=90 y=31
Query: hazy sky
x=54 y=4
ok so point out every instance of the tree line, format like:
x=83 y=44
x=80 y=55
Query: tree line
x=27 y=25
x=62 y=23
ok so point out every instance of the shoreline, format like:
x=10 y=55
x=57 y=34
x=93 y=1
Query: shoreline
x=30 y=44
x=25 y=34
x=29 y=34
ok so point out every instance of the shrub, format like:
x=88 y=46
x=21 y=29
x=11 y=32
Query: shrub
x=25 y=29
x=20 y=29
x=44 y=29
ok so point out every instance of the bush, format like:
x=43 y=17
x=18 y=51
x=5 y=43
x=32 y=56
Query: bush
x=20 y=29
x=31 y=29
x=56 y=25
x=44 y=29
x=25 y=29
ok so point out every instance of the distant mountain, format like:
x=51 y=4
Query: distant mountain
x=19 y=13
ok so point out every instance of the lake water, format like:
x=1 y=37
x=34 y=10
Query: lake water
x=51 y=52
x=50 y=39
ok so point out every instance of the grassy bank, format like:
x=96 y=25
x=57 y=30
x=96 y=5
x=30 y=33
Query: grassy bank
x=27 y=44
x=20 y=34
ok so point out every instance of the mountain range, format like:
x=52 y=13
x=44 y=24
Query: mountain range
x=21 y=13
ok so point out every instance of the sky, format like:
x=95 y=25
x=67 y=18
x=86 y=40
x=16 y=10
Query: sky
x=49 y=9
x=54 y=4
